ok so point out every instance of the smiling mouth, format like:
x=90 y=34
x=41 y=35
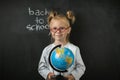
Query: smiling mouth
x=58 y=34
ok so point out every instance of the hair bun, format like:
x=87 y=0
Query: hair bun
x=70 y=16
x=52 y=14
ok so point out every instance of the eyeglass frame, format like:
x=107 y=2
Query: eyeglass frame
x=61 y=29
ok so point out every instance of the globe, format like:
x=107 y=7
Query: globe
x=61 y=59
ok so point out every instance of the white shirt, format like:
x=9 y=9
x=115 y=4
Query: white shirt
x=77 y=69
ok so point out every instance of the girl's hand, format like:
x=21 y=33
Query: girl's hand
x=70 y=77
x=50 y=76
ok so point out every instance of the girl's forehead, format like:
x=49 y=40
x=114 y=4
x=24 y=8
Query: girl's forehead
x=61 y=22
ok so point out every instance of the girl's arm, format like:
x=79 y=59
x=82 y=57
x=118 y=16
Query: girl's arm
x=79 y=66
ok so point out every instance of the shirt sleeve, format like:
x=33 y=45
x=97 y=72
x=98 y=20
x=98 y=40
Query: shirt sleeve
x=79 y=66
x=43 y=67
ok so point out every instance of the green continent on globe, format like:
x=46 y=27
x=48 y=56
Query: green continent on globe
x=59 y=52
x=69 y=60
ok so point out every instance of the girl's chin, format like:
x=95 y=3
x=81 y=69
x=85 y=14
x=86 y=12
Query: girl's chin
x=58 y=39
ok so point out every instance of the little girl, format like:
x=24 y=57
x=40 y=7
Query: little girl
x=60 y=28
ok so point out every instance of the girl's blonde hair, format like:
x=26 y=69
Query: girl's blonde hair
x=68 y=16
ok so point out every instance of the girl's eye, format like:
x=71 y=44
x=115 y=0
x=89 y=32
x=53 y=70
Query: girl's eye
x=62 y=28
x=54 y=28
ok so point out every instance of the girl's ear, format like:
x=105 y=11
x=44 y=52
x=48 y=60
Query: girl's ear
x=69 y=30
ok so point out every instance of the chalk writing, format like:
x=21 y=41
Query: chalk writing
x=40 y=22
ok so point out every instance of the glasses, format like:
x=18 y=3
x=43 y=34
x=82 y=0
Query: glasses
x=61 y=29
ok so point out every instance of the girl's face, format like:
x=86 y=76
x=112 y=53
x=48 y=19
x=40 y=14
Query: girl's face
x=59 y=29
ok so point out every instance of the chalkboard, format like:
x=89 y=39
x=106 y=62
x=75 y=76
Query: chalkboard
x=24 y=33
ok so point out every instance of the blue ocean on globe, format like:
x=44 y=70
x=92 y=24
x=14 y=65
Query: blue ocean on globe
x=62 y=58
